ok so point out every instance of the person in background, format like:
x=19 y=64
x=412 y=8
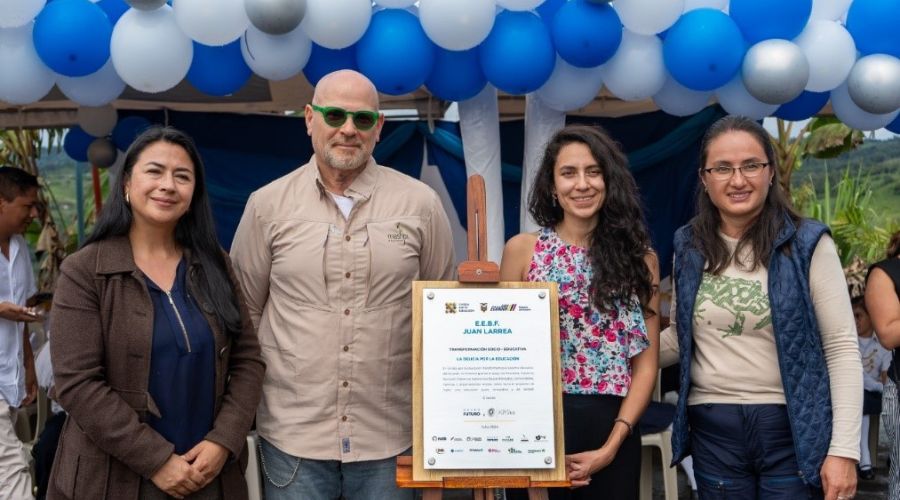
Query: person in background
x=18 y=387
x=326 y=256
x=44 y=449
x=883 y=305
x=771 y=383
x=875 y=361
x=154 y=355
x=595 y=245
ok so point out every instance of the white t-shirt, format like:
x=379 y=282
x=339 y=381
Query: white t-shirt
x=16 y=285
x=875 y=360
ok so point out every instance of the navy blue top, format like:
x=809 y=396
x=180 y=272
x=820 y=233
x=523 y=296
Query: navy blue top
x=182 y=370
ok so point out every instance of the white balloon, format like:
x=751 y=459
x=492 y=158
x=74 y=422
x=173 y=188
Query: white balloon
x=456 y=24
x=519 y=4
x=15 y=13
x=97 y=121
x=830 y=51
x=570 y=87
x=149 y=50
x=212 y=22
x=276 y=57
x=829 y=10
x=705 y=4
x=648 y=17
x=98 y=88
x=24 y=78
x=849 y=113
x=336 y=24
x=395 y=4
x=737 y=101
x=678 y=100
x=636 y=71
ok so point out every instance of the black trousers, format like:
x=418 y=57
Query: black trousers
x=44 y=450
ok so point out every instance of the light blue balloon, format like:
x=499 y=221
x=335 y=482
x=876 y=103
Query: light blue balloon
x=704 y=49
x=586 y=34
x=457 y=75
x=395 y=53
x=218 y=71
x=875 y=26
x=72 y=37
x=764 y=19
x=518 y=55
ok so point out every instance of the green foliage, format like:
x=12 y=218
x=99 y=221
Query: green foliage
x=847 y=208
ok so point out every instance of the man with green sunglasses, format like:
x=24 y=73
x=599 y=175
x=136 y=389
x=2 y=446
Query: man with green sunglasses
x=325 y=256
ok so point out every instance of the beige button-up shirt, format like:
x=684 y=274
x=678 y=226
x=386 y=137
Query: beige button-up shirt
x=331 y=298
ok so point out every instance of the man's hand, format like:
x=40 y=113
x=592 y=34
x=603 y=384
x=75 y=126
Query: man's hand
x=12 y=312
x=177 y=478
x=207 y=458
x=31 y=385
x=839 y=478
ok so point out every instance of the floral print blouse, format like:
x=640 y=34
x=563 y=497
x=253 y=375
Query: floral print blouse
x=596 y=347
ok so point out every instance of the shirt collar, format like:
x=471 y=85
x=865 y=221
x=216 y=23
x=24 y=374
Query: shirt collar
x=360 y=189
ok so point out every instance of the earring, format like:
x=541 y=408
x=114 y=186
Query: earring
x=553 y=199
x=127 y=199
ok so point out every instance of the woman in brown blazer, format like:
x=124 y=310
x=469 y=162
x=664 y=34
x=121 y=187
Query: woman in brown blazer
x=155 y=358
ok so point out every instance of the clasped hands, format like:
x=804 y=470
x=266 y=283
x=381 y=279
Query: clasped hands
x=183 y=475
x=580 y=466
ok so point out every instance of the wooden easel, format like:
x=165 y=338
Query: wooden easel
x=477 y=269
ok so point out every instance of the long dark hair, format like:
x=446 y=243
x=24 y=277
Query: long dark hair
x=893 y=249
x=760 y=235
x=620 y=241
x=195 y=230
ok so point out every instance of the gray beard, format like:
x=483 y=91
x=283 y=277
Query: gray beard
x=344 y=163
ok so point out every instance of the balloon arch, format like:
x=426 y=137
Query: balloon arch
x=755 y=57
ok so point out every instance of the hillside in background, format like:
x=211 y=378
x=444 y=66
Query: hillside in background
x=878 y=162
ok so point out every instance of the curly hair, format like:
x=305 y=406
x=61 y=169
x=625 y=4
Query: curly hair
x=620 y=241
x=761 y=234
x=893 y=249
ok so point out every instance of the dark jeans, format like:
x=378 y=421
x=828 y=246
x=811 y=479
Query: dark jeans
x=745 y=452
x=44 y=450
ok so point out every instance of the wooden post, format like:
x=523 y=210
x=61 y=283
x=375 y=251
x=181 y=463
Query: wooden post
x=477 y=269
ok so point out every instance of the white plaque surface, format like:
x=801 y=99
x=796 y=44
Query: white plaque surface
x=487 y=378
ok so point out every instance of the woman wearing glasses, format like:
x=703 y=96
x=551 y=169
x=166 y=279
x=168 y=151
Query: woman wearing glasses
x=762 y=326
x=154 y=354
x=595 y=245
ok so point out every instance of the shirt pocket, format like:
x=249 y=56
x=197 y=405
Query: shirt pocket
x=394 y=250
x=298 y=262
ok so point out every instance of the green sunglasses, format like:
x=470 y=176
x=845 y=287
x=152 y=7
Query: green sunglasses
x=335 y=117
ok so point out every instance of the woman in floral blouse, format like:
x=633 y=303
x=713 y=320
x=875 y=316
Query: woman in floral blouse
x=595 y=245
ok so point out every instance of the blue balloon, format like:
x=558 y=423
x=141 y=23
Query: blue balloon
x=76 y=143
x=323 y=61
x=704 y=49
x=875 y=26
x=894 y=126
x=764 y=19
x=804 y=106
x=114 y=9
x=548 y=9
x=395 y=53
x=456 y=76
x=586 y=34
x=127 y=130
x=518 y=55
x=72 y=37
x=218 y=71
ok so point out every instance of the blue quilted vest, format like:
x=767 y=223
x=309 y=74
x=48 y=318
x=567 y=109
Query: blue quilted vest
x=804 y=374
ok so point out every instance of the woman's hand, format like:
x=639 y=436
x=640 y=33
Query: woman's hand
x=207 y=458
x=581 y=466
x=177 y=478
x=839 y=478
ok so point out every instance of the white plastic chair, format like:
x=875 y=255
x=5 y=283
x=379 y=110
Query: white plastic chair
x=254 y=479
x=663 y=442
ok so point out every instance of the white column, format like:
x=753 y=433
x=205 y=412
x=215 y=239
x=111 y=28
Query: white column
x=541 y=123
x=479 y=123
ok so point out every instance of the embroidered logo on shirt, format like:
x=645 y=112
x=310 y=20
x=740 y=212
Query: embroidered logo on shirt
x=737 y=296
x=399 y=236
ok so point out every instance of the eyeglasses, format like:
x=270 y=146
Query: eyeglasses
x=725 y=172
x=335 y=117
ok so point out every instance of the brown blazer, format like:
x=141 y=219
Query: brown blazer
x=102 y=330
